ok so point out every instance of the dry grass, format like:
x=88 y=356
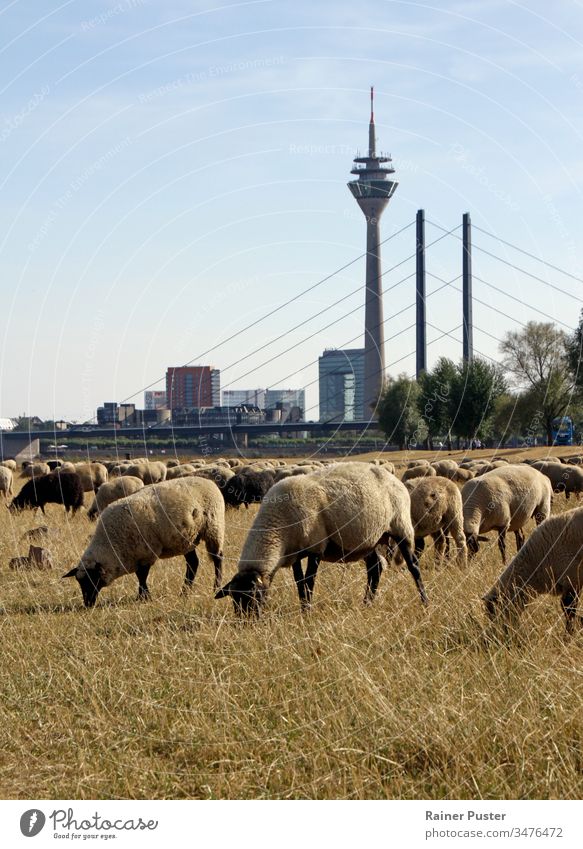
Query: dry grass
x=175 y=699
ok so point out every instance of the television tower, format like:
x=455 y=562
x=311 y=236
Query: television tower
x=372 y=190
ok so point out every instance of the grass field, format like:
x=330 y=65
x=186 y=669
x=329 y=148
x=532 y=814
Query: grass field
x=176 y=699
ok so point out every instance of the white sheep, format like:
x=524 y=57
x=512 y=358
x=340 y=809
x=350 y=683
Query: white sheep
x=342 y=513
x=551 y=561
x=9 y=464
x=112 y=491
x=160 y=521
x=412 y=464
x=443 y=466
x=504 y=500
x=149 y=473
x=6 y=478
x=436 y=511
x=35 y=470
x=418 y=472
x=92 y=475
x=564 y=478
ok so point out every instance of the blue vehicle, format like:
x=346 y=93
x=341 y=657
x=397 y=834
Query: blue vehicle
x=563 y=430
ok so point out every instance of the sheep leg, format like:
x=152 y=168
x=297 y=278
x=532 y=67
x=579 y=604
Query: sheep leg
x=413 y=568
x=218 y=564
x=191 y=569
x=519 y=535
x=419 y=546
x=305 y=583
x=142 y=573
x=438 y=543
x=374 y=568
x=502 y=544
x=569 y=601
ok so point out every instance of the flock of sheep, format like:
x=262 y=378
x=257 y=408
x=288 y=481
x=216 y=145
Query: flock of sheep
x=320 y=511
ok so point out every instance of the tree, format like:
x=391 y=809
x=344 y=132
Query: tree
x=574 y=347
x=476 y=387
x=398 y=409
x=538 y=357
x=434 y=398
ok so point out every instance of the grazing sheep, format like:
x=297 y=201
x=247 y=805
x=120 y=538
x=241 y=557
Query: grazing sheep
x=221 y=475
x=504 y=500
x=55 y=488
x=113 y=491
x=443 y=466
x=54 y=464
x=9 y=464
x=551 y=561
x=147 y=472
x=458 y=475
x=249 y=486
x=488 y=467
x=572 y=461
x=436 y=511
x=418 y=472
x=564 y=478
x=92 y=475
x=342 y=513
x=182 y=471
x=412 y=464
x=171 y=463
x=34 y=470
x=160 y=521
x=6 y=477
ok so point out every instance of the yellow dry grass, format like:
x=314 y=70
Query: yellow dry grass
x=176 y=699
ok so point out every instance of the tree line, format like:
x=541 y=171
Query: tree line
x=538 y=379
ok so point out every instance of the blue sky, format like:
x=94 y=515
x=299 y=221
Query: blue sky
x=170 y=172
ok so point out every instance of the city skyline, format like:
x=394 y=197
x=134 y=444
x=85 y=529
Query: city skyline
x=170 y=176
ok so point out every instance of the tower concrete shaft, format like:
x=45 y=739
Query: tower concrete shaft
x=372 y=191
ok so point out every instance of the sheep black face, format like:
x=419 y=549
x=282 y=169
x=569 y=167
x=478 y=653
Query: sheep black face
x=248 y=591
x=491 y=600
x=90 y=580
x=473 y=545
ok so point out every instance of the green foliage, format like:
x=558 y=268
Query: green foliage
x=475 y=389
x=540 y=356
x=434 y=400
x=399 y=415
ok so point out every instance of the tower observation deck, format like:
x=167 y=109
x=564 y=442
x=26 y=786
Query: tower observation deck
x=372 y=191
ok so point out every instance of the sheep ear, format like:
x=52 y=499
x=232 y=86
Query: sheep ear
x=72 y=573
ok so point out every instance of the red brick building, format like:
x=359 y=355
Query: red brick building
x=193 y=386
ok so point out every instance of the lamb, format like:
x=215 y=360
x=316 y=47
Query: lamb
x=418 y=472
x=437 y=510
x=6 y=477
x=504 y=500
x=551 y=561
x=340 y=513
x=113 y=491
x=564 y=478
x=92 y=475
x=55 y=488
x=148 y=472
x=159 y=521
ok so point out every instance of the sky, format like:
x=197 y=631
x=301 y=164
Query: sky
x=171 y=172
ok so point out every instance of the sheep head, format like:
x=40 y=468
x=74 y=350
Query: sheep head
x=90 y=578
x=248 y=591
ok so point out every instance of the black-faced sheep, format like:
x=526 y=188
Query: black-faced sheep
x=55 y=488
x=112 y=491
x=436 y=511
x=551 y=561
x=343 y=513
x=504 y=499
x=160 y=521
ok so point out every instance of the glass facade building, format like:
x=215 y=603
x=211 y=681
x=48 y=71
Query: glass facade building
x=341 y=385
